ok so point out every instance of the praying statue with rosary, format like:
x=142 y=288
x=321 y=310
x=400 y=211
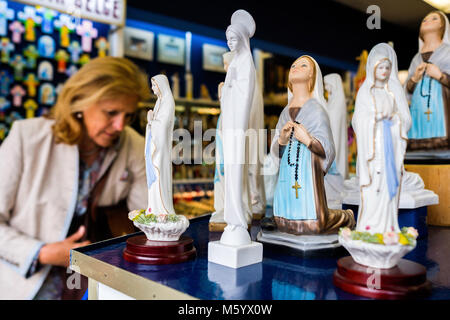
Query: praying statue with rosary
x=428 y=86
x=303 y=146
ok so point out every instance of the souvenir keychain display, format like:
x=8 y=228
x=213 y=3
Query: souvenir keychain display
x=40 y=49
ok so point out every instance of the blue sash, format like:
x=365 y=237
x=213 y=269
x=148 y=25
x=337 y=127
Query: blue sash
x=389 y=160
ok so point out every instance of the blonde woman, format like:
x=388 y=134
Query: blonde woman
x=69 y=179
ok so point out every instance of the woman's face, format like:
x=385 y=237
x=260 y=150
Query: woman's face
x=105 y=120
x=301 y=70
x=431 y=23
x=383 y=70
x=233 y=41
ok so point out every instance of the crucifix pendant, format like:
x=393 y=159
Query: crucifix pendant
x=296 y=186
x=428 y=112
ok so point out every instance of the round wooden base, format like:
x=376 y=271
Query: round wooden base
x=141 y=250
x=406 y=280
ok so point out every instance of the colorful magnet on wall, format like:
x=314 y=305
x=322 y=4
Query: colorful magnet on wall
x=30 y=106
x=6 y=47
x=5 y=82
x=5 y=15
x=71 y=70
x=18 y=64
x=17 y=29
x=75 y=51
x=17 y=94
x=31 y=82
x=65 y=25
x=45 y=71
x=102 y=45
x=31 y=53
x=59 y=88
x=62 y=57
x=47 y=19
x=46 y=47
x=31 y=19
x=85 y=58
x=5 y=104
x=47 y=94
x=87 y=32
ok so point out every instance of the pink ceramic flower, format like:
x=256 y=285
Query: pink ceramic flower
x=346 y=233
x=367 y=228
x=390 y=238
x=412 y=232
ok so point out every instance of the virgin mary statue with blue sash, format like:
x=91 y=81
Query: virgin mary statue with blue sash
x=428 y=85
x=303 y=143
x=381 y=122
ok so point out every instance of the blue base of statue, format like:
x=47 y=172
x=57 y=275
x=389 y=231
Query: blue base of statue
x=416 y=218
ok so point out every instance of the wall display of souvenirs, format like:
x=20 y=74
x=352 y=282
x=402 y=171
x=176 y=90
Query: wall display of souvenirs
x=39 y=49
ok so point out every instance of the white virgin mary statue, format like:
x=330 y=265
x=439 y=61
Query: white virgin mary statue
x=337 y=112
x=158 y=148
x=381 y=122
x=236 y=104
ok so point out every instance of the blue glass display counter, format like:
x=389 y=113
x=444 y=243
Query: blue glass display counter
x=281 y=275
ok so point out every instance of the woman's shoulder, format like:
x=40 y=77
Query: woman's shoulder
x=33 y=128
x=133 y=140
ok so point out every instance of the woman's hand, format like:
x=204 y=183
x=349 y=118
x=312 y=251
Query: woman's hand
x=285 y=133
x=149 y=115
x=433 y=71
x=302 y=135
x=58 y=253
x=419 y=72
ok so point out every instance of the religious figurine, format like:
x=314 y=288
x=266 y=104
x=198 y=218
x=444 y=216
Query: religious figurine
x=236 y=248
x=47 y=94
x=337 y=110
x=16 y=29
x=31 y=82
x=102 y=46
x=46 y=47
x=31 y=19
x=18 y=63
x=304 y=142
x=31 y=53
x=6 y=80
x=5 y=15
x=5 y=47
x=65 y=25
x=30 y=106
x=428 y=85
x=87 y=32
x=158 y=163
x=61 y=56
x=381 y=122
x=45 y=71
x=75 y=51
x=47 y=19
x=17 y=93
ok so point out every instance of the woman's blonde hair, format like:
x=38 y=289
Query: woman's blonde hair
x=441 y=17
x=311 y=88
x=100 y=79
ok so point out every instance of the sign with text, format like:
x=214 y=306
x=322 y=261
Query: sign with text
x=104 y=11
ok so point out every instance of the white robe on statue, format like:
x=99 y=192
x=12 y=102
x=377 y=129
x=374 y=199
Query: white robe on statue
x=160 y=199
x=337 y=112
x=378 y=142
x=236 y=104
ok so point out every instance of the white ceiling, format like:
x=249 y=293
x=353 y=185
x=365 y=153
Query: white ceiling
x=407 y=13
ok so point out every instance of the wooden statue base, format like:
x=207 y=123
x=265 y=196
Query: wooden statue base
x=141 y=250
x=405 y=281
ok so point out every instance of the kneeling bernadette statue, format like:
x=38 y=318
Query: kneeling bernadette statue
x=303 y=144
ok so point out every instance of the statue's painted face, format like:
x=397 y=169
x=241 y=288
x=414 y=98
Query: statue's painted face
x=233 y=41
x=431 y=23
x=301 y=70
x=383 y=70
